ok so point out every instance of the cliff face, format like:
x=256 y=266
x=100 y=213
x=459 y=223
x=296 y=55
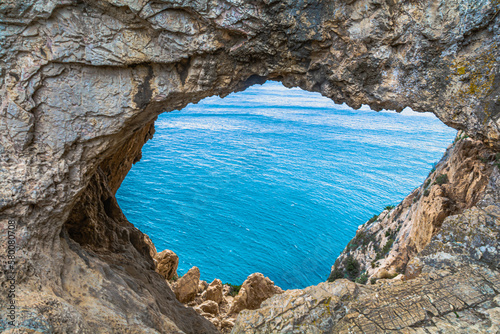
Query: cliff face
x=82 y=81
x=430 y=264
x=383 y=246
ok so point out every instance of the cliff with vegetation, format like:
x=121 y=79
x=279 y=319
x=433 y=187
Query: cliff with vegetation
x=430 y=264
x=81 y=84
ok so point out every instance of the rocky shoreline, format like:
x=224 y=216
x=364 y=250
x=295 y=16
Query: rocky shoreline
x=428 y=264
x=219 y=303
x=440 y=272
x=383 y=245
x=82 y=82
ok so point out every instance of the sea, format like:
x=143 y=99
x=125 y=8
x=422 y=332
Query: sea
x=274 y=180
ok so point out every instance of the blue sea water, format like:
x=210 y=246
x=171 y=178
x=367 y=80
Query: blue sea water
x=274 y=180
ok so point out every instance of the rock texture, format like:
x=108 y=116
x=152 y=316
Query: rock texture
x=166 y=264
x=186 y=288
x=214 y=291
x=253 y=292
x=81 y=83
x=451 y=286
x=221 y=303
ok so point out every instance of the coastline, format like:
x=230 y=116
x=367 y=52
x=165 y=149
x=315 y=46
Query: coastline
x=441 y=271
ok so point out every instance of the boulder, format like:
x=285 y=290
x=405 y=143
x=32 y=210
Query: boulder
x=210 y=306
x=166 y=264
x=253 y=292
x=187 y=286
x=214 y=291
x=202 y=286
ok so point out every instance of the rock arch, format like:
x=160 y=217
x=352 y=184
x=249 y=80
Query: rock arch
x=81 y=83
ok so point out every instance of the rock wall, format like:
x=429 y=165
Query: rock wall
x=383 y=245
x=442 y=274
x=82 y=81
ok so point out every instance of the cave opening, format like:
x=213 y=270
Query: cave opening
x=274 y=180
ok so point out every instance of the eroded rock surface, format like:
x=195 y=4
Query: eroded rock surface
x=221 y=303
x=452 y=286
x=253 y=292
x=81 y=83
x=214 y=291
x=186 y=288
x=166 y=264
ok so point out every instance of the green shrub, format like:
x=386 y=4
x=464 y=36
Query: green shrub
x=388 y=232
x=362 y=279
x=442 y=179
x=234 y=289
x=335 y=274
x=372 y=219
x=426 y=192
x=352 y=267
x=387 y=247
x=497 y=160
x=389 y=207
x=361 y=239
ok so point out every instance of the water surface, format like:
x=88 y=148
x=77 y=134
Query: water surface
x=274 y=180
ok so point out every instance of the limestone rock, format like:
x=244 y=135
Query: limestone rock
x=210 y=307
x=202 y=286
x=455 y=292
x=214 y=291
x=253 y=292
x=187 y=286
x=81 y=84
x=166 y=264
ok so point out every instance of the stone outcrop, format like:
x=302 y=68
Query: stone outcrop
x=221 y=303
x=81 y=84
x=214 y=291
x=253 y=292
x=383 y=246
x=186 y=288
x=440 y=272
x=166 y=264
x=451 y=286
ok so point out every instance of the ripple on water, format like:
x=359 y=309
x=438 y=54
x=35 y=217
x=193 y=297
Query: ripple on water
x=274 y=180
